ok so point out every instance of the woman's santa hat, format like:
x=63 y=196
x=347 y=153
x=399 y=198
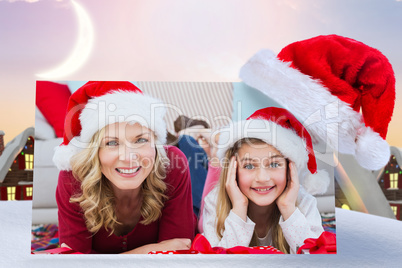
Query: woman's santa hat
x=280 y=129
x=325 y=81
x=98 y=104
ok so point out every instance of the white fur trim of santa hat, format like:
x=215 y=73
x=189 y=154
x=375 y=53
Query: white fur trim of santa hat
x=325 y=116
x=115 y=107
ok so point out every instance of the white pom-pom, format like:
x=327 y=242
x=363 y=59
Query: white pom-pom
x=372 y=151
x=62 y=156
x=316 y=183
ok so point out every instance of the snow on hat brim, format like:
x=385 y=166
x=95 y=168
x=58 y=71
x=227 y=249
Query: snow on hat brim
x=324 y=115
x=286 y=141
x=115 y=107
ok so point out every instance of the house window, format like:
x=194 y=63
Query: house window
x=345 y=206
x=393 y=181
x=28 y=191
x=29 y=161
x=11 y=193
x=394 y=209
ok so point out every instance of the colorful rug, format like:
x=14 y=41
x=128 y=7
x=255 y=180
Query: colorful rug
x=45 y=237
x=328 y=222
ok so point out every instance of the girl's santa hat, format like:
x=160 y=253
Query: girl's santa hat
x=98 y=104
x=280 y=129
x=325 y=81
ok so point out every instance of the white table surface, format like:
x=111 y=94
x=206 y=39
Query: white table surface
x=363 y=241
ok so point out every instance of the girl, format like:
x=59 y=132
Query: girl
x=258 y=200
x=119 y=189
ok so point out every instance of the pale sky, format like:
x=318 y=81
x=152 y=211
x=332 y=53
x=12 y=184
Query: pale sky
x=176 y=40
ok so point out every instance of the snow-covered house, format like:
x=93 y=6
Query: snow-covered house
x=358 y=189
x=16 y=166
x=391 y=182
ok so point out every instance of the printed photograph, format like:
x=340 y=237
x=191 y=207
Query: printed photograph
x=176 y=168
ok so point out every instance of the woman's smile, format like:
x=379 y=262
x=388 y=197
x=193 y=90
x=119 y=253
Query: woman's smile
x=128 y=172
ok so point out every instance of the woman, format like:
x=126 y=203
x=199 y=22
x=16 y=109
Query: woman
x=120 y=190
x=258 y=200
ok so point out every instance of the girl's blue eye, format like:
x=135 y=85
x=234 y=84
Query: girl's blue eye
x=111 y=143
x=249 y=166
x=142 y=140
x=274 y=165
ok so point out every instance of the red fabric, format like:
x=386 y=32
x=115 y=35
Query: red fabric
x=80 y=98
x=287 y=120
x=201 y=245
x=61 y=250
x=325 y=244
x=354 y=72
x=51 y=100
x=177 y=220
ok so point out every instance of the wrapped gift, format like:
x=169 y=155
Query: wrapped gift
x=325 y=244
x=61 y=250
x=201 y=245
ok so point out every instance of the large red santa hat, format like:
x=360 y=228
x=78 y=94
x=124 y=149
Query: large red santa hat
x=325 y=81
x=100 y=103
x=280 y=129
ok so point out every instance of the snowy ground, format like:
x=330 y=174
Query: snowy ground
x=363 y=241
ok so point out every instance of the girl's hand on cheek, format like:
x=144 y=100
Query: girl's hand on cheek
x=238 y=199
x=287 y=200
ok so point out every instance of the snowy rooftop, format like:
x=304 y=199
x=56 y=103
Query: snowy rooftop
x=12 y=149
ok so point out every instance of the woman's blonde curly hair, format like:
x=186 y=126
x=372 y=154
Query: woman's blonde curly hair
x=224 y=205
x=97 y=199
